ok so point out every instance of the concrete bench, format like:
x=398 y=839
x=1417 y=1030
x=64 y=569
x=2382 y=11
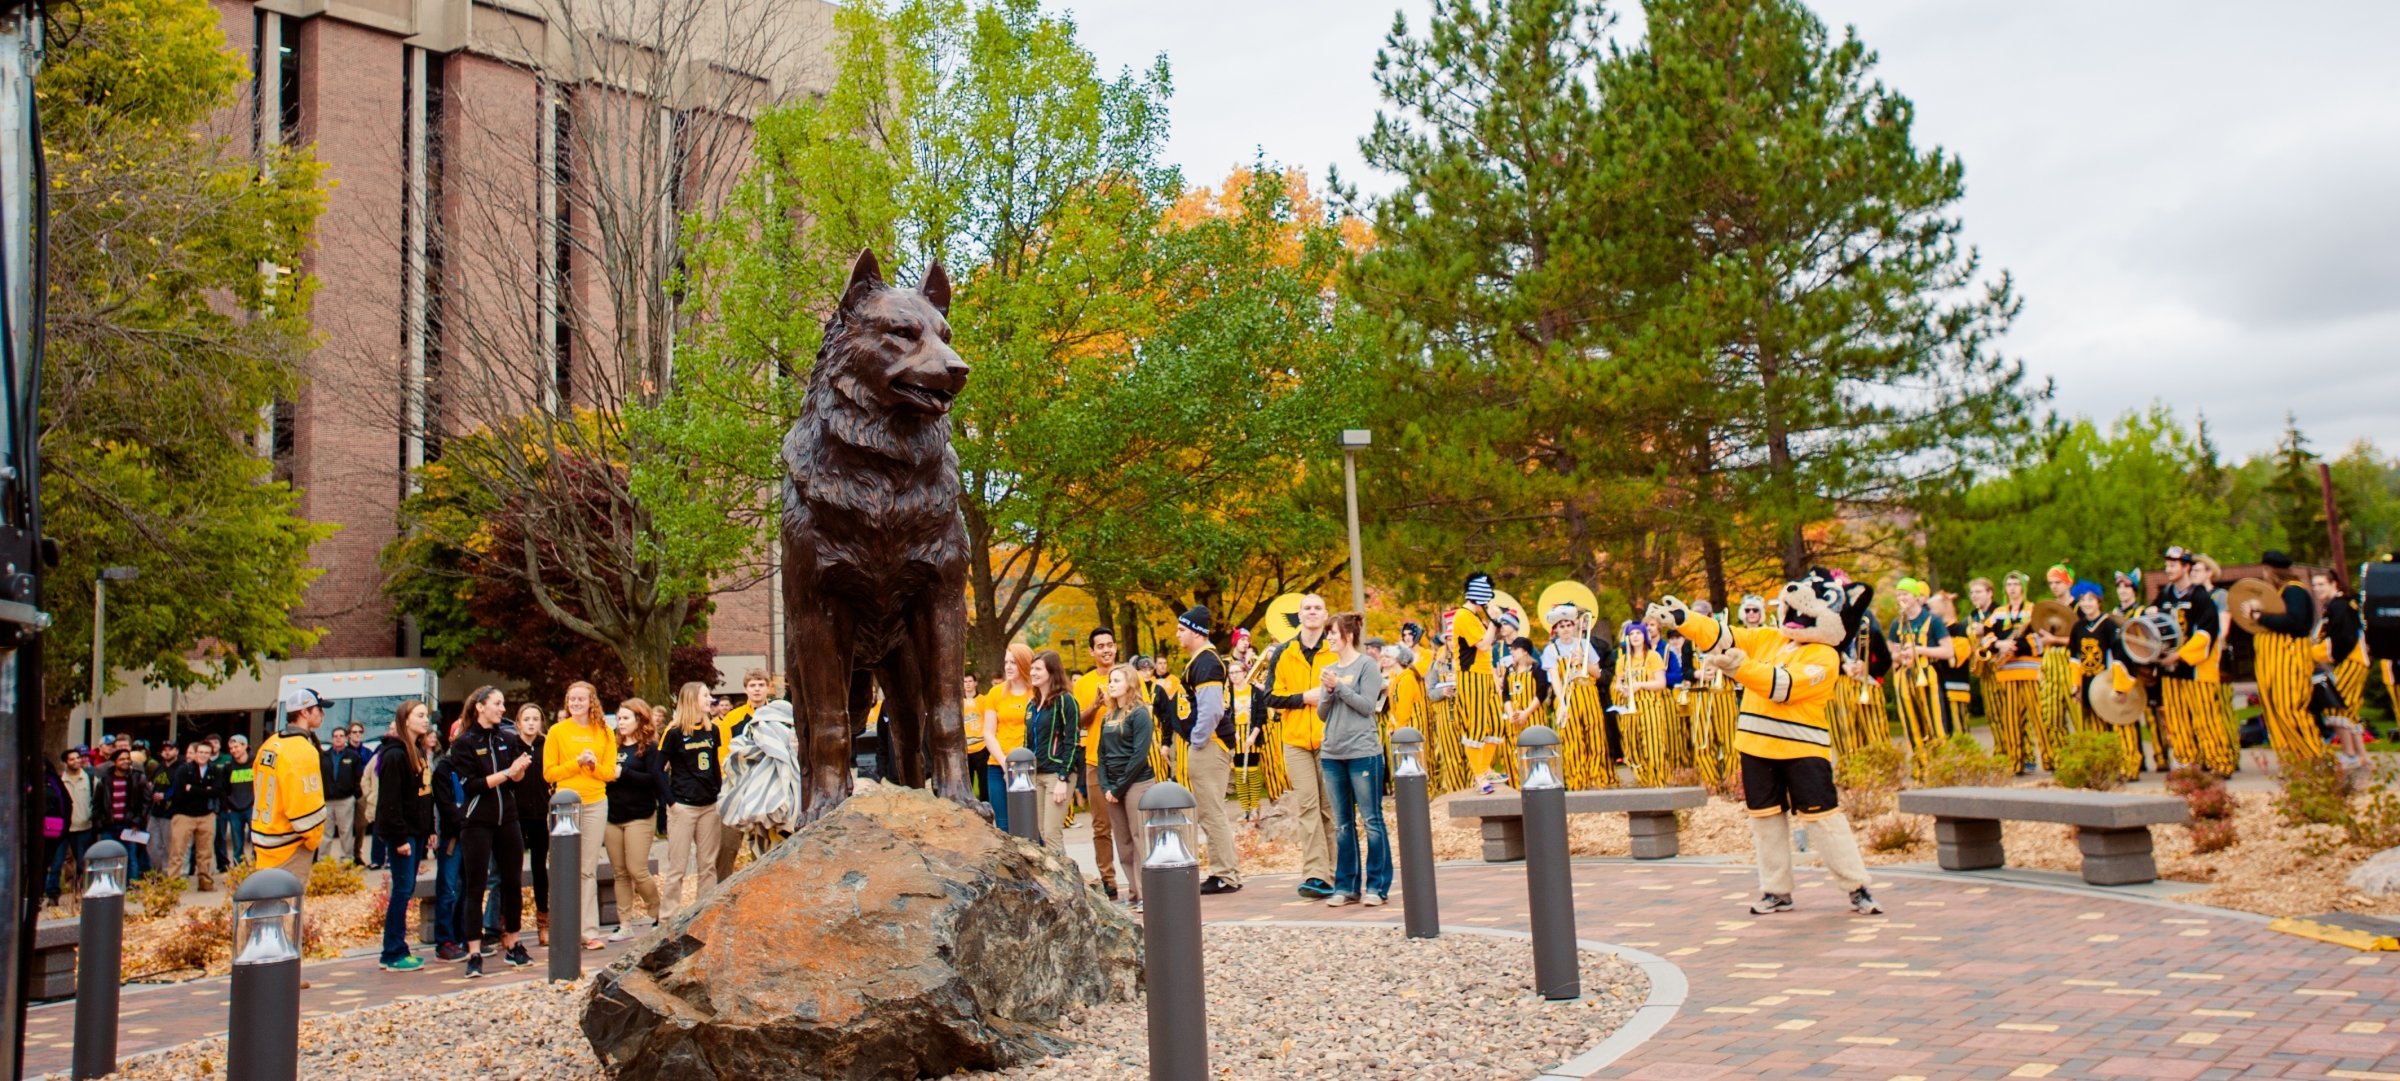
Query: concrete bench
x=1650 y=811
x=54 y=959
x=2112 y=828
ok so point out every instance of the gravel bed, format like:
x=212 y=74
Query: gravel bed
x=1359 y=1005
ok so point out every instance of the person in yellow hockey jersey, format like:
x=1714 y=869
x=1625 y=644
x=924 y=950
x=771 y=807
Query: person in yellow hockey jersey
x=287 y=820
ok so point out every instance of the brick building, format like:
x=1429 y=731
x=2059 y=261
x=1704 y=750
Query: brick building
x=468 y=143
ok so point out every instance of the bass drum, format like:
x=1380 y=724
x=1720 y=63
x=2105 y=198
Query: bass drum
x=2379 y=590
x=2151 y=638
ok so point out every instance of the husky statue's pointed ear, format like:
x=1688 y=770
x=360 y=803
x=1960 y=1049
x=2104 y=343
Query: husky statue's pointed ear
x=936 y=288
x=866 y=275
x=1858 y=600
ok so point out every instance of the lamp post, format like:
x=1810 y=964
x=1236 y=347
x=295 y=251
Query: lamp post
x=1353 y=441
x=99 y=959
x=1549 y=885
x=262 y=1038
x=1171 y=935
x=1420 y=908
x=1024 y=816
x=99 y=643
x=566 y=858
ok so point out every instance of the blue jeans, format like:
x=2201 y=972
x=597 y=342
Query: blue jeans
x=404 y=890
x=995 y=792
x=69 y=845
x=446 y=888
x=233 y=837
x=1355 y=788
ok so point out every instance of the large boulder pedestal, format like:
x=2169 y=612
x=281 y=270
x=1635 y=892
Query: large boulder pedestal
x=900 y=936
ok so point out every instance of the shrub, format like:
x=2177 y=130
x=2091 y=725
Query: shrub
x=2374 y=822
x=2184 y=780
x=2315 y=792
x=199 y=939
x=157 y=893
x=235 y=875
x=333 y=878
x=1871 y=766
x=2210 y=804
x=2213 y=835
x=1964 y=761
x=1895 y=834
x=2090 y=760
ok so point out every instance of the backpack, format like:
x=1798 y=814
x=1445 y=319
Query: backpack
x=370 y=785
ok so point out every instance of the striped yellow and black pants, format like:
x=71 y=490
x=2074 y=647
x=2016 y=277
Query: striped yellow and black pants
x=2350 y=681
x=1480 y=717
x=2283 y=667
x=1447 y=759
x=2061 y=708
x=1714 y=710
x=1651 y=728
x=2015 y=706
x=1857 y=716
x=2197 y=725
x=1583 y=738
x=1924 y=715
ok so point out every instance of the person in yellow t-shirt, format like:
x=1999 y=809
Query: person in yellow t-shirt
x=1090 y=688
x=580 y=754
x=1003 y=725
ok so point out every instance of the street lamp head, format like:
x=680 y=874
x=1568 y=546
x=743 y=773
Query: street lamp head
x=120 y=574
x=1357 y=438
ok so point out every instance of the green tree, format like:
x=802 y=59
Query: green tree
x=2298 y=496
x=165 y=344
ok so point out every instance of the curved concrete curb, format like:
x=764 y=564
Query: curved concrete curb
x=1668 y=989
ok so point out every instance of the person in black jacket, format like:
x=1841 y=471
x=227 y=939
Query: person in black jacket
x=533 y=814
x=404 y=821
x=693 y=763
x=192 y=803
x=344 y=765
x=633 y=801
x=488 y=761
x=2280 y=645
x=122 y=806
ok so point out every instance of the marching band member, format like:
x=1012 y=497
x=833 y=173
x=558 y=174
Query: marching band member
x=1573 y=668
x=2280 y=647
x=1857 y=707
x=2131 y=606
x=2190 y=712
x=1714 y=707
x=1921 y=640
x=2341 y=642
x=1528 y=693
x=1650 y=727
x=1444 y=740
x=1982 y=668
x=2061 y=710
x=1956 y=683
x=2015 y=706
x=1474 y=636
x=2092 y=643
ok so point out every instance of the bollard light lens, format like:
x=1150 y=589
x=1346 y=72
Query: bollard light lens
x=1171 y=841
x=1020 y=773
x=266 y=931
x=1538 y=758
x=1540 y=774
x=1411 y=762
x=105 y=877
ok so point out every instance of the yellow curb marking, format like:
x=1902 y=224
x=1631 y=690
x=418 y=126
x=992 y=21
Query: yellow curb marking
x=1759 y=964
x=1734 y=897
x=1919 y=972
x=2091 y=983
x=2362 y=961
x=2198 y=1039
x=2195 y=976
x=2015 y=1026
x=1879 y=1041
x=2129 y=991
x=1658 y=887
x=2101 y=938
x=2363 y=1028
x=1804 y=991
x=2362 y=1075
x=1882 y=964
x=1927 y=904
x=2223 y=1013
x=1920 y=938
x=2321 y=992
x=2092 y=916
x=1796 y=1024
x=1980 y=889
x=1731 y=1009
x=1635 y=923
x=1719 y=941
x=1751 y=975
x=2196 y=932
x=1770 y=1000
x=1481 y=919
x=2033 y=1069
x=1684 y=952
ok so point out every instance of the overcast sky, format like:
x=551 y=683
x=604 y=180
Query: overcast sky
x=2200 y=201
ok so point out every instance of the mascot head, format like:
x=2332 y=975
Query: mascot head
x=1823 y=608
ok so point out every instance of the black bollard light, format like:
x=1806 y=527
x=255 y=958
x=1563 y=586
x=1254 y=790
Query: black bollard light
x=1420 y=909
x=1549 y=883
x=99 y=959
x=1171 y=936
x=262 y=1034
x=566 y=859
x=1024 y=804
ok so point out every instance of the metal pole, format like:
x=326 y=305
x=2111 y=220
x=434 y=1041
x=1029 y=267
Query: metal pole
x=99 y=960
x=566 y=909
x=1358 y=571
x=91 y=717
x=1172 y=967
x=1420 y=907
x=262 y=1032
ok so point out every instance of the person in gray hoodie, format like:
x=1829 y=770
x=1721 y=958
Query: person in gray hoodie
x=1352 y=762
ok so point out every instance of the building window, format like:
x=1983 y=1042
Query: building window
x=288 y=83
x=283 y=439
x=562 y=247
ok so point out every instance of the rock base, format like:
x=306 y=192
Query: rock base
x=900 y=936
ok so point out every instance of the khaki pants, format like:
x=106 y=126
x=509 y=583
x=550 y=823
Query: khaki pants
x=1124 y=822
x=341 y=830
x=188 y=831
x=1103 y=825
x=1314 y=816
x=692 y=835
x=593 y=823
x=1051 y=810
x=1212 y=773
x=629 y=853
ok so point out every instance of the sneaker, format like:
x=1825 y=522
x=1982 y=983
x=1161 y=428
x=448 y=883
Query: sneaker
x=410 y=963
x=622 y=933
x=1135 y=906
x=1215 y=884
x=1340 y=900
x=1109 y=888
x=517 y=957
x=1316 y=888
x=1771 y=903
x=1371 y=900
x=1864 y=902
x=475 y=966
x=450 y=951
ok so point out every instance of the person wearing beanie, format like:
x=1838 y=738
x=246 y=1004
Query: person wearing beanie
x=1528 y=692
x=1572 y=666
x=1204 y=719
x=1475 y=644
x=2281 y=661
x=1295 y=689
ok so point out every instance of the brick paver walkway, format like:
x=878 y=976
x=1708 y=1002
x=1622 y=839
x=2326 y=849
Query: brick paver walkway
x=1963 y=978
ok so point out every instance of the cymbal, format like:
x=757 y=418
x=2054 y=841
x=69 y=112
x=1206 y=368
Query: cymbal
x=2052 y=619
x=2112 y=707
x=2269 y=598
x=1282 y=621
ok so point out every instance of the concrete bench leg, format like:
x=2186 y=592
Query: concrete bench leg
x=1503 y=840
x=2117 y=857
x=1654 y=834
x=1968 y=844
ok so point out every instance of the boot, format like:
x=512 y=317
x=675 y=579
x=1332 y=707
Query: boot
x=541 y=927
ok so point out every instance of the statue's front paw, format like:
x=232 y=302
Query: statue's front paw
x=1726 y=661
x=1668 y=611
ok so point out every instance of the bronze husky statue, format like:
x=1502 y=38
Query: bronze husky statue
x=874 y=549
